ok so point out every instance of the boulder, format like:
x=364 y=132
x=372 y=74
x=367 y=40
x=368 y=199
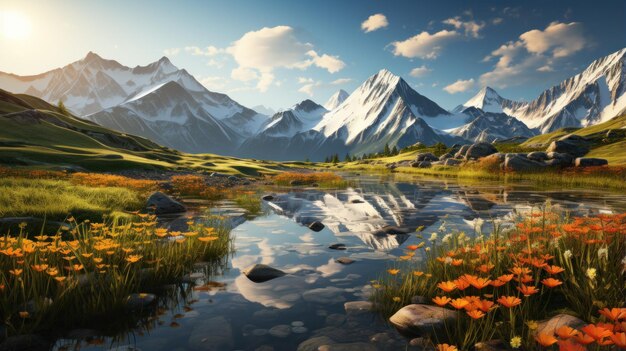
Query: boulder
x=417 y=320
x=574 y=145
x=561 y=159
x=353 y=346
x=537 y=156
x=260 y=273
x=337 y=246
x=549 y=326
x=446 y=156
x=313 y=344
x=478 y=150
x=590 y=162
x=421 y=164
x=268 y=197
x=391 y=166
x=316 y=226
x=498 y=157
x=520 y=163
x=345 y=260
x=462 y=151
x=452 y=162
x=391 y=230
x=426 y=156
x=163 y=204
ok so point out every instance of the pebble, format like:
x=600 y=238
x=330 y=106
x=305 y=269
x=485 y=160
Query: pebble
x=280 y=331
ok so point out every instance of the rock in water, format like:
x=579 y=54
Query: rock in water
x=422 y=320
x=479 y=150
x=337 y=246
x=163 y=204
x=313 y=344
x=590 y=162
x=260 y=273
x=574 y=145
x=344 y=260
x=316 y=226
x=391 y=230
x=213 y=334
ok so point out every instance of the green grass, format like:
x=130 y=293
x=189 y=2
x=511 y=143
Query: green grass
x=57 y=199
x=596 y=133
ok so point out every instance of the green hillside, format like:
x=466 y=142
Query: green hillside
x=36 y=133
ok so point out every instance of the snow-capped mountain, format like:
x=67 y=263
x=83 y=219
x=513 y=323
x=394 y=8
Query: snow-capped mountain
x=93 y=87
x=590 y=97
x=336 y=99
x=264 y=110
x=491 y=126
x=385 y=109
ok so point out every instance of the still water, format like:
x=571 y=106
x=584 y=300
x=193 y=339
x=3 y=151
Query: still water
x=309 y=303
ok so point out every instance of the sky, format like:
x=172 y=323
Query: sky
x=277 y=53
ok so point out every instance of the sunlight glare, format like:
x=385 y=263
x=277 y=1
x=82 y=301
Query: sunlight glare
x=15 y=26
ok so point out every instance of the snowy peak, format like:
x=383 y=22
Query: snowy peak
x=307 y=106
x=336 y=99
x=303 y=116
x=487 y=100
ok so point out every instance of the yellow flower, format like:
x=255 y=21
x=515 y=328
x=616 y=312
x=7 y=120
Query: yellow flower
x=591 y=273
x=24 y=314
x=52 y=271
x=60 y=279
x=16 y=272
x=207 y=238
x=393 y=271
x=376 y=286
x=40 y=267
x=418 y=273
x=97 y=259
x=133 y=258
x=532 y=325
x=396 y=299
x=516 y=342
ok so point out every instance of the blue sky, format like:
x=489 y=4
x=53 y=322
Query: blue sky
x=453 y=48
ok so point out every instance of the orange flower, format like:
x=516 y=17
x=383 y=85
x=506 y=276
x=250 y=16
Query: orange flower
x=525 y=279
x=527 y=290
x=497 y=283
x=480 y=283
x=485 y=268
x=447 y=286
x=551 y=282
x=484 y=305
x=459 y=303
x=553 y=269
x=509 y=301
x=597 y=333
x=441 y=300
x=584 y=339
x=568 y=345
x=446 y=347
x=546 y=339
x=418 y=273
x=619 y=339
x=40 y=267
x=475 y=314
x=393 y=271
x=457 y=262
x=412 y=247
x=614 y=314
x=506 y=277
x=462 y=283
x=520 y=270
x=207 y=238
x=16 y=272
x=566 y=332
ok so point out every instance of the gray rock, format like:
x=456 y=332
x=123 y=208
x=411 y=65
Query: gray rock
x=537 y=156
x=519 y=163
x=345 y=260
x=337 y=246
x=421 y=320
x=260 y=273
x=570 y=144
x=421 y=164
x=445 y=156
x=313 y=344
x=391 y=230
x=549 y=326
x=280 y=331
x=163 y=204
x=426 y=156
x=559 y=159
x=590 y=162
x=268 y=197
x=462 y=151
x=451 y=162
x=213 y=334
x=353 y=346
x=478 y=150
x=316 y=226
x=355 y=309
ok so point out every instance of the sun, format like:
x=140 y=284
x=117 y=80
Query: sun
x=14 y=25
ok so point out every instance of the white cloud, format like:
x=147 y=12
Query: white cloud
x=340 y=81
x=460 y=86
x=266 y=49
x=308 y=88
x=244 y=74
x=374 y=22
x=213 y=83
x=470 y=27
x=420 y=71
x=559 y=39
x=208 y=51
x=534 y=53
x=423 y=45
x=497 y=20
x=171 y=51
x=303 y=80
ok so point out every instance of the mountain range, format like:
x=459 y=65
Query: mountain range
x=169 y=106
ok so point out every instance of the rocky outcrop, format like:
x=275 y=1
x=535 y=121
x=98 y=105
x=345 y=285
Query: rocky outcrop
x=422 y=320
x=163 y=204
x=478 y=150
x=421 y=164
x=590 y=162
x=260 y=273
x=574 y=145
x=521 y=163
x=426 y=156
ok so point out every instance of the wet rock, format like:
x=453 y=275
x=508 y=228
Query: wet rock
x=426 y=156
x=574 y=145
x=391 y=230
x=193 y=277
x=280 y=331
x=299 y=330
x=313 y=344
x=356 y=201
x=590 y=162
x=345 y=260
x=163 y=204
x=392 y=166
x=260 y=273
x=537 y=156
x=335 y=319
x=451 y=162
x=420 y=342
x=353 y=346
x=421 y=164
x=421 y=320
x=478 y=150
x=140 y=301
x=265 y=314
x=519 y=163
x=297 y=324
x=316 y=226
x=212 y=335
x=268 y=197
x=358 y=308
x=550 y=326
x=327 y=295
x=337 y=246
x=27 y=342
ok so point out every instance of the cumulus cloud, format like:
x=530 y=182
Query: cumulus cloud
x=309 y=87
x=244 y=74
x=535 y=52
x=340 y=81
x=171 y=51
x=470 y=27
x=266 y=49
x=459 y=86
x=497 y=20
x=208 y=51
x=423 y=45
x=213 y=83
x=374 y=22
x=420 y=71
